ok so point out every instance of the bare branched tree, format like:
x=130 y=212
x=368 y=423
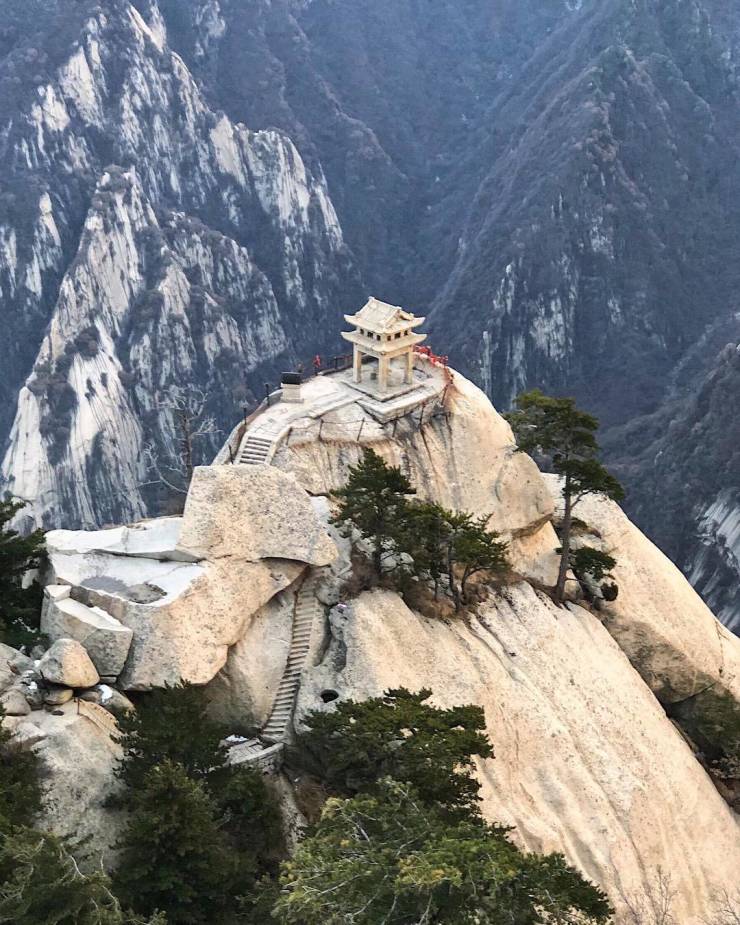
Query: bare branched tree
x=186 y=413
x=725 y=909
x=655 y=905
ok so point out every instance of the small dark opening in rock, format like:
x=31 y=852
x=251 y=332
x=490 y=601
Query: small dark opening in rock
x=329 y=696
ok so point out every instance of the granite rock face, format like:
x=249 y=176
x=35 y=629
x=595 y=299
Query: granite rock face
x=252 y=513
x=662 y=625
x=106 y=640
x=586 y=760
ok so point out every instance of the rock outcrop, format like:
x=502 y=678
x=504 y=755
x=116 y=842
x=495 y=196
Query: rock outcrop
x=586 y=760
x=159 y=603
x=464 y=457
x=106 y=640
x=68 y=664
x=252 y=513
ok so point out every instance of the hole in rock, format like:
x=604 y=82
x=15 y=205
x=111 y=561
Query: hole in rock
x=329 y=696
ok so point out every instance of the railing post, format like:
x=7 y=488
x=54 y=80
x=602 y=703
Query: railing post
x=321 y=427
x=359 y=434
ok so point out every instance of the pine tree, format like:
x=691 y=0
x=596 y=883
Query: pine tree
x=20 y=787
x=400 y=735
x=558 y=430
x=374 y=502
x=20 y=608
x=41 y=883
x=173 y=857
x=170 y=723
x=452 y=544
x=388 y=857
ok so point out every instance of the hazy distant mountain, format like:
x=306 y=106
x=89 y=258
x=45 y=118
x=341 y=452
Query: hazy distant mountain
x=554 y=183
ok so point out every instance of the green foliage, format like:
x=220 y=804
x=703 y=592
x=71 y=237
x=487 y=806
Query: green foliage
x=171 y=729
x=589 y=561
x=174 y=858
x=20 y=787
x=388 y=857
x=566 y=436
x=449 y=545
x=374 y=501
x=170 y=723
x=20 y=608
x=402 y=736
x=424 y=539
x=42 y=884
x=249 y=817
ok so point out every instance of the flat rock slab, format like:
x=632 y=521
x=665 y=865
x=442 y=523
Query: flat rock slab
x=253 y=513
x=106 y=640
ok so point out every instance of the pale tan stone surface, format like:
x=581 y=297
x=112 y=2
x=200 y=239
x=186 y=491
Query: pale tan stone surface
x=586 y=761
x=189 y=638
x=465 y=460
x=533 y=557
x=252 y=512
x=67 y=663
x=79 y=760
x=659 y=621
x=245 y=688
x=12 y=663
x=106 y=640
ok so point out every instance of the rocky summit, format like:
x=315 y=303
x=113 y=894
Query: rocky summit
x=608 y=715
x=194 y=190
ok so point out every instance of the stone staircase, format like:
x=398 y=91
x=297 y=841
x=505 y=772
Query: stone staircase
x=255 y=450
x=306 y=611
x=265 y=750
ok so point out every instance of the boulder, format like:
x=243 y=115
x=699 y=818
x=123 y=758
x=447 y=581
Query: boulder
x=55 y=695
x=12 y=664
x=112 y=700
x=14 y=703
x=586 y=763
x=67 y=663
x=106 y=639
x=253 y=513
x=150 y=539
x=189 y=638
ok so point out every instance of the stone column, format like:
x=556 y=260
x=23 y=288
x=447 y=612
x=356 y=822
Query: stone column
x=383 y=374
x=409 y=367
x=357 y=369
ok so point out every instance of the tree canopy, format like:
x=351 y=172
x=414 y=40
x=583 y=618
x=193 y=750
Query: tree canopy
x=389 y=857
x=554 y=428
x=400 y=735
x=374 y=501
x=20 y=608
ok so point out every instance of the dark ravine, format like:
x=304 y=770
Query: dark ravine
x=553 y=183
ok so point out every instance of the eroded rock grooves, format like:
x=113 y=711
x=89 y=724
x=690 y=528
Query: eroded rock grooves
x=587 y=761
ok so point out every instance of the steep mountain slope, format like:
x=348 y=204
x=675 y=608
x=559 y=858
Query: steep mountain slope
x=684 y=465
x=204 y=256
x=600 y=242
x=553 y=182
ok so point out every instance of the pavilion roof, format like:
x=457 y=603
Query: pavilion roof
x=383 y=318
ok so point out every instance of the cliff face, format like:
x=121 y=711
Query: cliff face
x=586 y=761
x=193 y=262
x=603 y=722
x=553 y=182
x=683 y=462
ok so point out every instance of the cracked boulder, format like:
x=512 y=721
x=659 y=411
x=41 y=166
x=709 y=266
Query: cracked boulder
x=106 y=639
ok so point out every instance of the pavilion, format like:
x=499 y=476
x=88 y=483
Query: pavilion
x=384 y=332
